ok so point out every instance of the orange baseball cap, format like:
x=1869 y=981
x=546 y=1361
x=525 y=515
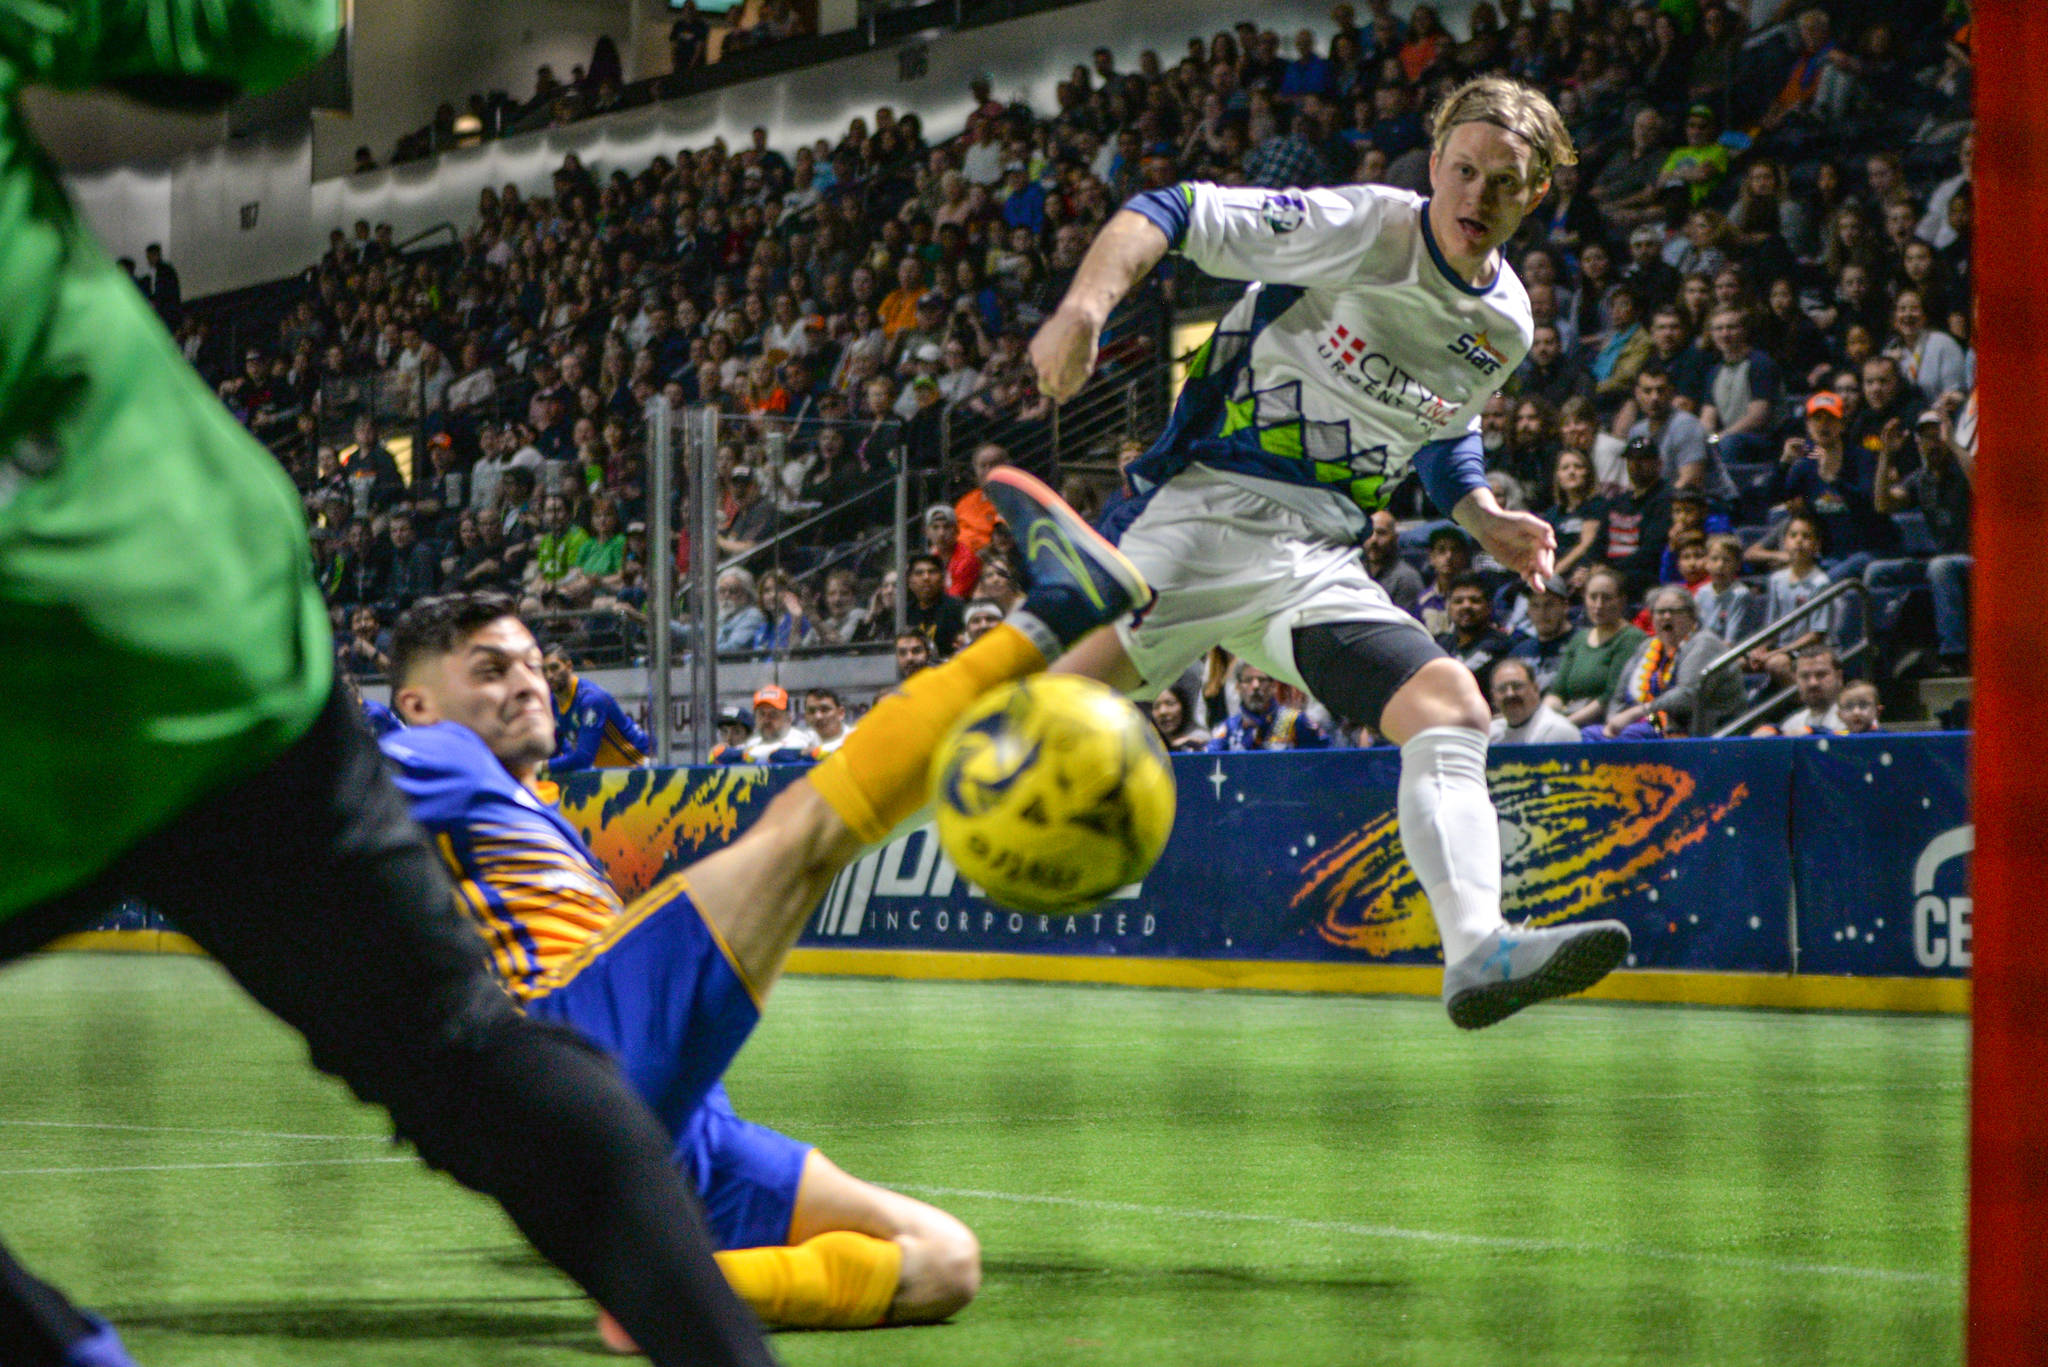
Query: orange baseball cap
x=772 y=695
x=1825 y=401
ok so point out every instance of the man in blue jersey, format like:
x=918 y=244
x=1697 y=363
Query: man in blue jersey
x=591 y=730
x=1378 y=326
x=672 y=984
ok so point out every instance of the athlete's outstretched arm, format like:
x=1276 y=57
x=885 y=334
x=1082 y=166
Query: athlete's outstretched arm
x=1453 y=474
x=1123 y=253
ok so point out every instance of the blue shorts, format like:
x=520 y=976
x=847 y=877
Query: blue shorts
x=659 y=993
x=747 y=1174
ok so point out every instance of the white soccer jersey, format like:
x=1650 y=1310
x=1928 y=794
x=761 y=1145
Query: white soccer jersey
x=1357 y=347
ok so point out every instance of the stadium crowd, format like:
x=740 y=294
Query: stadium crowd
x=1752 y=359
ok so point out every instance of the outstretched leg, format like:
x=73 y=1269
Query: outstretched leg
x=758 y=891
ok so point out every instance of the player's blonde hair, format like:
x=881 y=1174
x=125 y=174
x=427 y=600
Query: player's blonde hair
x=1522 y=110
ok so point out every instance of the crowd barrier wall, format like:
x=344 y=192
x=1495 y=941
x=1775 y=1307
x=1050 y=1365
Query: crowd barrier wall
x=1828 y=872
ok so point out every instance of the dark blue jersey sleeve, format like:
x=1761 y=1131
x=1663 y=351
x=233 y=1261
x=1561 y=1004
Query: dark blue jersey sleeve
x=1451 y=469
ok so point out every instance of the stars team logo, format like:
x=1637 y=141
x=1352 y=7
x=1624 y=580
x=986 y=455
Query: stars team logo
x=1479 y=352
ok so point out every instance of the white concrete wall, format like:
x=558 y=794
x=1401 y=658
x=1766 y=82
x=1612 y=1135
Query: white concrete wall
x=409 y=56
x=129 y=208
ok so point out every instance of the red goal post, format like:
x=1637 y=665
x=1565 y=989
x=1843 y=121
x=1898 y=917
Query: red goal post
x=2008 y=1234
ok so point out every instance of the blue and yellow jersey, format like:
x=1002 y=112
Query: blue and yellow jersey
x=593 y=732
x=521 y=871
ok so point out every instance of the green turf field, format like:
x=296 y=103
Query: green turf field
x=1157 y=1178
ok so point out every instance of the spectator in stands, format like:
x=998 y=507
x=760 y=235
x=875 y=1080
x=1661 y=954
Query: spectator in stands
x=1578 y=429
x=753 y=518
x=932 y=612
x=1743 y=390
x=843 y=619
x=1638 y=522
x=1532 y=445
x=372 y=472
x=1728 y=608
x=1935 y=225
x=1664 y=688
x=1173 y=716
x=998 y=581
x=982 y=617
x=973 y=513
x=1791 y=588
x=825 y=719
x=1931 y=360
x=1680 y=441
x=1889 y=407
x=440 y=487
x=1701 y=163
x=899 y=309
x=688 y=38
x=363 y=652
x=415 y=570
x=776 y=740
x=1384 y=563
x=159 y=284
x=1450 y=555
x=1627 y=185
x=1589 y=668
x=1550 y=621
x=1576 y=511
x=787 y=621
x=1522 y=718
x=733 y=730
x=739 y=612
x=551 y=579
x=1940 y=490
x=913 y=652
x=1549 y=372
x=1814 y=88
x=1858 y=708
x=1261 y=722
x=1818 y=676
x=1794 y=343
x=1814 y=476
x=478 y=563
x=1621 y=348
x=360 y=572
x=1654 y=280
x=1472 y=639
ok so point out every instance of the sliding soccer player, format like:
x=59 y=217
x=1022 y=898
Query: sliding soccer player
x=1378 y=325
x=672 y=984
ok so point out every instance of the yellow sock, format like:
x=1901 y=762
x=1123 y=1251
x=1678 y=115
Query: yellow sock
x=878 y=777
x=840 y=1280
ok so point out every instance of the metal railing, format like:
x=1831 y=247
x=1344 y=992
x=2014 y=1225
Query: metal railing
x=683 y=455
x=1127 y=397
x=1733 y=656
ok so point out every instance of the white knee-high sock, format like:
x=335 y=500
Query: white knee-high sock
x=1451 y=834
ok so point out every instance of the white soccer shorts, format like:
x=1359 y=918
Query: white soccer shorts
x=1236 y=569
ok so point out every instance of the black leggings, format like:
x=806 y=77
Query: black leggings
x=1356 y=668
x=310 y=884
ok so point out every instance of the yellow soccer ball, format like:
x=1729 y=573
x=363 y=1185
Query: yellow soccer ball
x=1053 y=793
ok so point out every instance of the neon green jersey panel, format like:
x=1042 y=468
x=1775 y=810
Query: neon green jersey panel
x=160 y=628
